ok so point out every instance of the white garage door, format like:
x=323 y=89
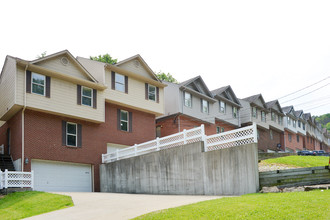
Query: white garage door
x=53 y=176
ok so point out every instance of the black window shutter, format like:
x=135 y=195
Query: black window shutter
x=157 y=94
x=28 y=81
x=113 y=80
x=47 y=86
x=63 y=133
x=79 y=135
x=94 y=98
x=79 y=94
x=126 y=84
x=130 y=122
x=118 y=119
x=146 y=89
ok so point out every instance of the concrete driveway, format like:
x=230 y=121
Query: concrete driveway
x=118 y=206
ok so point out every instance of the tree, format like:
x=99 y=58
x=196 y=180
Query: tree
x=41 y=55
x=106 y=58
x=166 y=77
x=328 y=126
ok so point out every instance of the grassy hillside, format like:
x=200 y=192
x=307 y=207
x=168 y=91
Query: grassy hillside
x=299 y=161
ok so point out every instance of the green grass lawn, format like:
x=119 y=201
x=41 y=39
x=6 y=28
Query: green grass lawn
x=295 y=205
x=20 y=205
x=299 y=161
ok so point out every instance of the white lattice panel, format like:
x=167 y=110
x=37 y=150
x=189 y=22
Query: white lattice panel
x=16 y=179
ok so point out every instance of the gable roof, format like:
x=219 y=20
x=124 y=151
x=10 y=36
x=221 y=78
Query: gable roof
x=193 y=83
x=254 y=98
x=226 y=93
x=271 y=104
x=298 y=113
x=288 y=109
x=145 y=65
x=72 y=59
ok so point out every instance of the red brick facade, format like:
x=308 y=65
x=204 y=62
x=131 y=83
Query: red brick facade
x=269 y=139
x=43 y=137
x=175 y=124
x=294 y=141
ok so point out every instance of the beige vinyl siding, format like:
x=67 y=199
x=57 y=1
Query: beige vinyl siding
x=7 y=86
x=131 y=66
x=62 y=101
x=71 y=68
x=135 y=97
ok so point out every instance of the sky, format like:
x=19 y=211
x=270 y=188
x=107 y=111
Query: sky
x=270 y=47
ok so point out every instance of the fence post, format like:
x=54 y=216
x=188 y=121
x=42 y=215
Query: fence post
x=157 y=142
x=32 y=179
x=184 y=136
x=135 y=149
x=117 y=154
x=255 y=132
x=102 y=158
x=204 y=137
x=1 y=186
x=6 y=178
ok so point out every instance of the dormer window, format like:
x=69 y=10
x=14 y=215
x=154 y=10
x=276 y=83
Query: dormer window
x=274 y=116
x=205 y=106
x=222 y=107
x=38 y=84
x=289 y=121
x=263 y=116
x=187 y=99
x=235 y=112
x=294 y=123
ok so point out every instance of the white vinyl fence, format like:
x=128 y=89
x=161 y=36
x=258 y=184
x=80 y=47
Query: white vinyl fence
x=2 y=149
x=227 y=139
x=13 y=179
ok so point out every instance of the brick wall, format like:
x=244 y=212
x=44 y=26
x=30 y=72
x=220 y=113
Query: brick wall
x=265 y=141
x=309 y=142
x=3 y=136
x=294 y=144
x=170 y=125
x=43 y=137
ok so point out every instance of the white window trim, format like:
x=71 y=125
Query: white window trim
x=256 y=112
x=263 y=116
x=67 y=133
x=224 y=108
x=207 y=106
x=124 y=120
x=235 y=116
x=149 y=86
x=38 y=84
x=119 y=82
x=82 y=95
x=190 y=106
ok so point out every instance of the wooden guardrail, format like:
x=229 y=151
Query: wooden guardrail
x=295 y=177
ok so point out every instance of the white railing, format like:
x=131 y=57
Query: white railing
x=174 y=140
x=237 y=137
x=227 y=139
x=15 y=179
x=2 y=149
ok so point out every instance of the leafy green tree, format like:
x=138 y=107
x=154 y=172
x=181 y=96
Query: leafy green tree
x=42 y=55
x=166 y=77
x=106 y=58
x=328 y=126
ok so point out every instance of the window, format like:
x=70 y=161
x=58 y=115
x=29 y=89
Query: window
x=294 y=122
x=263 y=116
x=254 y=112
x=298 y=138
x=123 y=120
x=299 y=124
x=86 y=96
x=279 y=120
x=271 y=134
x=38 y=84
x=71 y=134
x=119 y=82
x=235 y=113
x=187 y=99
x=222 y=130
x=205 y=106
x=218 y=129
x=273 y=116
x=152 y=92
x=290 y=137
x=222 y=106
x=304 y=126
x=289 y=121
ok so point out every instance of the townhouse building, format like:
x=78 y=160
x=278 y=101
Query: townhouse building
x=269 y=120
x=60 y=114
x=190 y=104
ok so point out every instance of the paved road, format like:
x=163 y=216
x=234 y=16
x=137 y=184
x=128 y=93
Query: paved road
x=117 y=205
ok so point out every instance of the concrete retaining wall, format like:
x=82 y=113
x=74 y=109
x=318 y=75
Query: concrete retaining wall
x=185 y=170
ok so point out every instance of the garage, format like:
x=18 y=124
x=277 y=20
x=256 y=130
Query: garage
x=54 y=176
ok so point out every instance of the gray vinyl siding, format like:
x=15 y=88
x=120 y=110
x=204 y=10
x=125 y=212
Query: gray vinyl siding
x=228 y=115
x=171 y=99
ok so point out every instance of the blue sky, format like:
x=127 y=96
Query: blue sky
x=268 y=47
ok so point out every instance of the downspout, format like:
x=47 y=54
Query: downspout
x=24 y=107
